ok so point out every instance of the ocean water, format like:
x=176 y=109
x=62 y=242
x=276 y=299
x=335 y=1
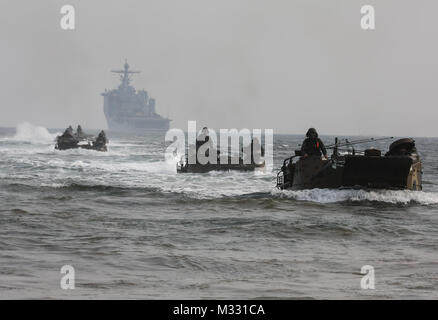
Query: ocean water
x=133 y=228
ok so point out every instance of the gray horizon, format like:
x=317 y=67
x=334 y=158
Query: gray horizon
x=285 y=65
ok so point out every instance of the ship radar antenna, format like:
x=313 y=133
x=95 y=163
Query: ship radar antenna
x=125 y=74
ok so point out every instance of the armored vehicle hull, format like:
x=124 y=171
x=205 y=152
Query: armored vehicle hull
x=203 y=168
x=400 y=168
x=88 y=146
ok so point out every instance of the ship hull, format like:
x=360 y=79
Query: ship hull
x=120 y=122
x=138 y=125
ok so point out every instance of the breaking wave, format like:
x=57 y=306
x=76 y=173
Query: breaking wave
x=27 y=132
x=386 y=196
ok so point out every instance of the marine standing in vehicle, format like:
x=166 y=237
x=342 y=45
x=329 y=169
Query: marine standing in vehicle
x=312 y=145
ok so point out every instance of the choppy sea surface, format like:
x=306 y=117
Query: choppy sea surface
x=133 y=228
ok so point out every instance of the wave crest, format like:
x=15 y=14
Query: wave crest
x=386 y=196
x=27 y=132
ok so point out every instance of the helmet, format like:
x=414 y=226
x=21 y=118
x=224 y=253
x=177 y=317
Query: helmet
x=311 y=133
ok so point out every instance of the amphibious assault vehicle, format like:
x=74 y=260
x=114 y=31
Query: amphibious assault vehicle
x=249 y=157
x=71 y=140
x=399 y=168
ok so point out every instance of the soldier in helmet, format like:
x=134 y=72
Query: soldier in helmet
x=79 y=132
x=68 y=134
x=101 y=138
x=101 y=141
x=204 y=139
x=312 y=145
x=66 y=140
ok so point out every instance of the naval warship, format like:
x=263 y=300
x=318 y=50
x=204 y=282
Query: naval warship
x=129 y=110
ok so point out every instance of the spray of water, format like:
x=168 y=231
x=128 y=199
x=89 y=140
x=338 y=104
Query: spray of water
x=27 y=132
x=388 y=196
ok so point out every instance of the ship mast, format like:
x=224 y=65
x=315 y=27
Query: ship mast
x=125 y=74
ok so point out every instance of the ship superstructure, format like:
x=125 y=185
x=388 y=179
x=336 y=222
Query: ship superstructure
x=127 y=109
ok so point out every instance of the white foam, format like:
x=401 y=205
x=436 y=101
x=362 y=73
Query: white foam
x=28 y=132
x=388 y=196
x=53 y=185
x=125 y=167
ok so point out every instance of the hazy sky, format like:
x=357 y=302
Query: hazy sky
x=285 y=65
